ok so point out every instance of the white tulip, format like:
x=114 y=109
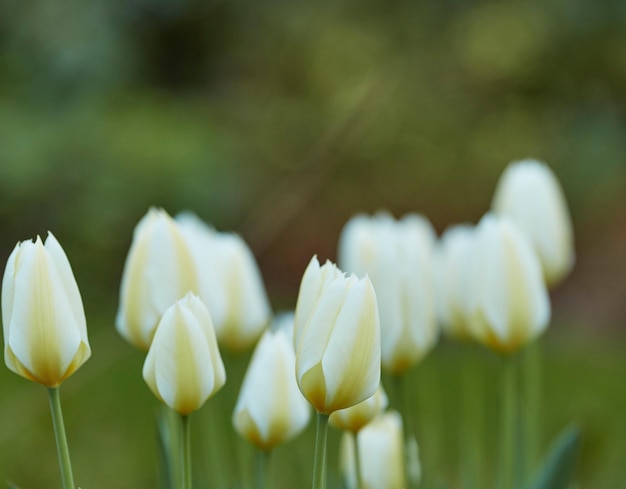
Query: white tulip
x=398 y=257
x=230 y=283
x=270 y=409
x=508 y=301
x=159 y=270
x=381 y=454
x=454 y=266
x=337 y=338
x=183 y=367
x=530 y=194
x=356 y=417
x=43 y=321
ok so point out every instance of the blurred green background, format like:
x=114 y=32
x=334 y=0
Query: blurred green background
x=279 y=120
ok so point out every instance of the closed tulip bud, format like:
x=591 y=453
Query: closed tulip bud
x=230 y=283
x=381 y=454
x=45 y=332
x=183 y=367
x=270 y=409
x=454 y=266
x=356 y=417
x=508 y=302
x=337 y=338
x=530 y=194
x=159 y=270
x=397 y=255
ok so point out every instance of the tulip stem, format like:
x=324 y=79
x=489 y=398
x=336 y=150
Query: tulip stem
x=357 y=460
x=185 y=452
x=471 y=434
x=263 y=469
x=61 y=438
x=532 y=405
x=319 y=463
x=508 y=428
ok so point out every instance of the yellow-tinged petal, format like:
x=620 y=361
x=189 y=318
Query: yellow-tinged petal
x=183 y=367
x=44 y=325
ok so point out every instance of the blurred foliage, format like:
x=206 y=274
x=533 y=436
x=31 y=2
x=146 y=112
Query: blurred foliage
x=280 y=119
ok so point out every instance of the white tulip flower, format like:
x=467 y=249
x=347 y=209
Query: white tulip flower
x=184 y=367
x=336 y=337
x=43 y=320
x=270 y=409
x=230 y=283
x=159 y=270
x=508 y=302
x=356 y=417
x=381 y=454
x=398 y=257
x=530 y=194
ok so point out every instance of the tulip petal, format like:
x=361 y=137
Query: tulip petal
x=350 y=377
x=48 y=336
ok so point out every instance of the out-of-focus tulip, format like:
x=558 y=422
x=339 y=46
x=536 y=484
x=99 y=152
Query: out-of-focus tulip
x=270 y=409
x=336 y=337
x=356 y=417
x=530 y=194
x=230 y=283
x=159 y=270
x=397 y=255
x=43 y=321
x=183 y=367
x=381 y=454
x=454 y=265
x=508 y=301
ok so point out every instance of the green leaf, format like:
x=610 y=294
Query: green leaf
x=558 y=466
x=12 y=485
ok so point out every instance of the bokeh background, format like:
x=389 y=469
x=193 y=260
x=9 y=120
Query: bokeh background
x=280 y=120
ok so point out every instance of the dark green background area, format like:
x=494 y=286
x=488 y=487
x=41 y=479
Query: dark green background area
x=280 y=120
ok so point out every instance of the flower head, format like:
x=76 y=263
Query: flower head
x=337 y=338
x=183 y=367
x=45 y=332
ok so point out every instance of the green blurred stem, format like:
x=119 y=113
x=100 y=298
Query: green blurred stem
x=357 y=460
x=319 y=463
x=532 y=371
x=508 y=419
x=185 y=451
x=61 y=438
x=400 y=387
x=471 y=433
x=263 y=469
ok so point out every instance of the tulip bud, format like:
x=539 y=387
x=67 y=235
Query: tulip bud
x=529 y=193
x=454 y=265
x=230 y=283
x=381 y=454
x=183 y=367
x=159 y=270
x=44 y=327
x=397 y=256
x=337 y=338
x=270 y=409
x=508 y=301
x=356 y=417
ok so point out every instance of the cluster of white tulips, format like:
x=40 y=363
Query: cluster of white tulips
x=188 y=290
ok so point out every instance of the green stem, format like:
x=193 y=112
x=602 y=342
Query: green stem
x=263 y=469
x=61 y=438
x=532 y=365
x=357 y=460
x=400 y=384
x=507 y=430
x=319 y=463
x=185 y=446
x=471 y=434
